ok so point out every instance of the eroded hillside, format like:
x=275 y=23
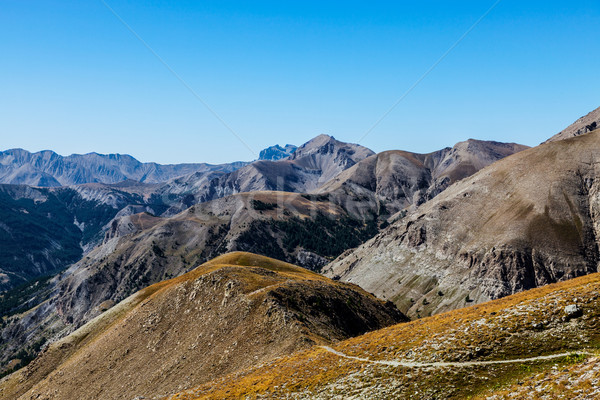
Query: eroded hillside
x=393 y=180
x=525 y=221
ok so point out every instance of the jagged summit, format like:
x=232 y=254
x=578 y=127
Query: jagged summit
x=277 y=152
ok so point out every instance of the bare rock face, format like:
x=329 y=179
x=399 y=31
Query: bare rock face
x=229 y=314
x=573 y=311
x=583 y=125
x=523 y=222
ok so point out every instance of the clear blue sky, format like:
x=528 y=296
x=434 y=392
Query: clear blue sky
x=73 y=78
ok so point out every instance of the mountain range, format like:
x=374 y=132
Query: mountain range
x=166 y=261
x=132 y=234
x=48 y=169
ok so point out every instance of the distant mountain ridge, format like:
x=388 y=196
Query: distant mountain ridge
x=49 y=169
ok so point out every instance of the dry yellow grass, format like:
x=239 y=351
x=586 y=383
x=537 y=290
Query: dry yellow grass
x=503 y=329
x=224 y=316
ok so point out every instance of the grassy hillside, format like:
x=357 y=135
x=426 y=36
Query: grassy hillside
x=226 y=315
x=518 y=342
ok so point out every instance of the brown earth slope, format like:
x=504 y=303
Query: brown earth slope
x=234 y=312
x=525 y=221
x=509 y=348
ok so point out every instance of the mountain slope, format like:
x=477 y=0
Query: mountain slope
x=231 y=313
x=525 y=221
x=476 y=352
x=143 y=249
x=44 y=230
x=46 y=168
x=583 y=125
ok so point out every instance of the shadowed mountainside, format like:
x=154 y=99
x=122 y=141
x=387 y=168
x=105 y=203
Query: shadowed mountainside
x=42 y=230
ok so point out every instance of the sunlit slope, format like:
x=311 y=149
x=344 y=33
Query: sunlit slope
x=527 y=220
x=453 y=355
x=228 y=314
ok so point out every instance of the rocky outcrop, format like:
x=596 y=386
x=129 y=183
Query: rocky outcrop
x=583 y=125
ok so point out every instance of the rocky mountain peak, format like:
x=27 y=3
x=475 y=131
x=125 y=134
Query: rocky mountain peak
x=277 y=152
x=319 y=144
x=323 y=145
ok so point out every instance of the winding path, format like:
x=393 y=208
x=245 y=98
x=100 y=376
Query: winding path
x=452 y=364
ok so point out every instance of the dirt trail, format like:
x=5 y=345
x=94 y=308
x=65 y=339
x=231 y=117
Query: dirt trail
x=409 y=364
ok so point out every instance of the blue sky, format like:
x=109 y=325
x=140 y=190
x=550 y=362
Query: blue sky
x=74 y=79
